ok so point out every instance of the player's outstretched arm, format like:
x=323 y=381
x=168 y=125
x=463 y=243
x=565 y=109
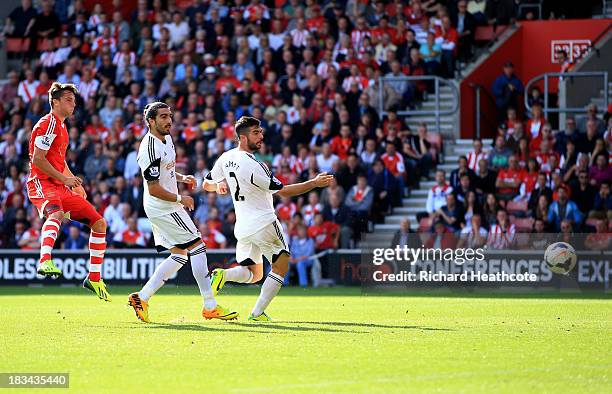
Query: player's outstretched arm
x=157 y=190
x=321 y=180
x=218 y=187
x=39 y=159
x=188 y=179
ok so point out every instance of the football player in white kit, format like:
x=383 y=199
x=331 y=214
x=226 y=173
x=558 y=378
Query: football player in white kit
x=172 y=227
x=257 y=229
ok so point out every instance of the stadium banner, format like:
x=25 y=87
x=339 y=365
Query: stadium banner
x=135 y=266
x=493 y=261
x=374 y=269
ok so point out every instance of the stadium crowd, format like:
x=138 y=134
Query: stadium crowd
x=309 y=70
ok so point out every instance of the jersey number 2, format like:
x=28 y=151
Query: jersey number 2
x=237 y=195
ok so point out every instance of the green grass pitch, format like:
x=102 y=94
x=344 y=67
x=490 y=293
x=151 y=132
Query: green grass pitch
x=324 y=340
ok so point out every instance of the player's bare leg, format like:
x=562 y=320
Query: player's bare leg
x=49 y=233
x=271 y=286
x=240 y=274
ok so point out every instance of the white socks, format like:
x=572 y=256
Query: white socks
x=199 y=266
x=239 y=274
x=269 y=290
x=162 y=273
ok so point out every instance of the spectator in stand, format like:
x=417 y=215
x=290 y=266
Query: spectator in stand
x=338 y=213
x=509 y=180
x=359 y=200
x=489 y=210
x=463 y=169
x=302 y=248
x=583 y=193
x=213 y=239
x=417 y=149
x=569 y=134
x=131 y=237
x=475 y=156
x=450 y=40
x=591 y=115
x=436 y=197
x=465 y=23
x=507 y=88
x=431 y=53
x=536 y=121
x=499 y=155
x=474 y=235
x=326 y=234
x=602 y=206
x=452 y=214
x=601 y=239
x=20 y=19
x=394 y=162
x=75 y=239
x=601 y=171
x=405 y=236
x=310 y=210
x=502 y=233
x=442 y=237
x=586 y=141
x=563 y=209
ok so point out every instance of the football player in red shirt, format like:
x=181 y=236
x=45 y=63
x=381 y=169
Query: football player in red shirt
x=57 y=193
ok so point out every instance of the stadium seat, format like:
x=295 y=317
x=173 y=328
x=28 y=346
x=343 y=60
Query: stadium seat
x=17 y=45
x=517 y=208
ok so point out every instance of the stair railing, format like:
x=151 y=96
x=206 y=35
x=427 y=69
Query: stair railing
x=437 y=81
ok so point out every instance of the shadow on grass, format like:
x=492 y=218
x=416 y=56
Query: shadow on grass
x=339 y=291
x=370 y=325
x=295 y=326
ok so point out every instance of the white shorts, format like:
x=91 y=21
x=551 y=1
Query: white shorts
x=269 y=242
x=175 y=229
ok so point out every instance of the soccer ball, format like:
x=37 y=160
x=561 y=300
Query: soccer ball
x=560 y=258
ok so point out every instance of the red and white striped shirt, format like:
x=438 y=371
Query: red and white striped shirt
x=357 y=37
x=120 y=58
x=27 y=90
x=436 y=198
x=473 y=158
x=360 y=81
x=299 y=37
x=324 y=67
x=88 y=89
x=501 y=238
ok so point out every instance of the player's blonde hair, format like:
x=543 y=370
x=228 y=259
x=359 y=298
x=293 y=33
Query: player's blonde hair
x=56 y=90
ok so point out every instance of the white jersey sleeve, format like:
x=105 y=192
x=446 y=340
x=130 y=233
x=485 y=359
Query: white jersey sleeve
x=216 y=173
x=263 y=178
x=150 y=161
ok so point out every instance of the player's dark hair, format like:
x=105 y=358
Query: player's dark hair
x=244 y=124
x=56 y=90
x=150 y=110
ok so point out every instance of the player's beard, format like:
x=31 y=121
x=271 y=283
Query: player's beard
x=163 y=132
x=253 y=146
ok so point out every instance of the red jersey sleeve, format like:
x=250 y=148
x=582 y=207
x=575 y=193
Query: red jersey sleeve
x=44 y=133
